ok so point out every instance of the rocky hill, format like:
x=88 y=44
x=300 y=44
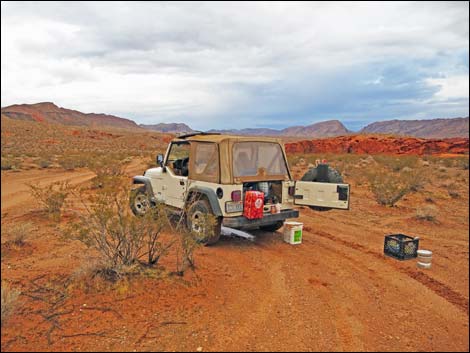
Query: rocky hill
x=171 y=128
x=321 y=129
x=364 y=144
x=434 y=128
x=51 y=113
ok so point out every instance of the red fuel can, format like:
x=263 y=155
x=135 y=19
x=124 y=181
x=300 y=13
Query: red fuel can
x=254 y=204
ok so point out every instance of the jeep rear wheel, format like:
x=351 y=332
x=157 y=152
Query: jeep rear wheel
x=205 y=229
x=139 y=201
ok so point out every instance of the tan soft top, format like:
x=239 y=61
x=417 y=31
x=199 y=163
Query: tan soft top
x=217 y=138
x=225 y=144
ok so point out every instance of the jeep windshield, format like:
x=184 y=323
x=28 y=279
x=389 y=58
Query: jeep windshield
x=258 y=159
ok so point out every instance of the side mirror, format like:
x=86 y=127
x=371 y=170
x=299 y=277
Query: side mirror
x=160 y=160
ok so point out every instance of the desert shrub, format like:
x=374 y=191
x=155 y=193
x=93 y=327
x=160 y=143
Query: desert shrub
x=188 y=242
x=6 y=164
x=426 y=213
x=108 y=170
x=9 y=301
x=453 y=193
x=124 y=241
x=414 y=178
x=18 y=233
x=52 y=197
x=72 y=161
x=462 y=163
x=121 y=239
x=448 y=162
x=44 y=163
x=388 y=188
x=396 y=164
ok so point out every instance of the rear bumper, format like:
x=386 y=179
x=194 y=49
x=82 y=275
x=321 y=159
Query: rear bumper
x=243 y=222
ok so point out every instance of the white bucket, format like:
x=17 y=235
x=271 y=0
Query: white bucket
x=293 y=232
x=424 y=259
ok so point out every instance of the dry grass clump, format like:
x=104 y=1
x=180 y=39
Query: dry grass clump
x=44 y=163
x=7 y=164
x=71 y=162
x=397 y=164
x=18 y=233
x=452 y=191
x=9 y=301
x=52 y=197
x=427 y=213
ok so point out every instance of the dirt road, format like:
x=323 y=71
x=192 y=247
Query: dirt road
x=335 y=291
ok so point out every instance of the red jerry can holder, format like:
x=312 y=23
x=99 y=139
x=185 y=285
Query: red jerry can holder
x=254 y=204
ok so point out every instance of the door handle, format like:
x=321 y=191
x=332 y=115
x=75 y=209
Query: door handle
x=181 y=182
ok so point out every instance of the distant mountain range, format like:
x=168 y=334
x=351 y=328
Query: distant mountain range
x=323 y=129
x=170 y=128
x=51 y=113
x=434 y=128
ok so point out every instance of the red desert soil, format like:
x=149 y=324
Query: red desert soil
x=365 y=144
x=335 y=291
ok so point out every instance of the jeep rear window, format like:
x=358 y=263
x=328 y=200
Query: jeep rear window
x=258 y=158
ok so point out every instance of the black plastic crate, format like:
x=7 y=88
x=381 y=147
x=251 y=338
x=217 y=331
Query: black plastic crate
x=401 y=246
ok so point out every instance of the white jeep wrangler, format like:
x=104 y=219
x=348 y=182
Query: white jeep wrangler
x=220 y=169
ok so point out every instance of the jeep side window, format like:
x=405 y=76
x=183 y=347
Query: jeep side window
x=178 y=158
x=206 y=162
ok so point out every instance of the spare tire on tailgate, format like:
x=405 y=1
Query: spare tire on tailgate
x=322 y=173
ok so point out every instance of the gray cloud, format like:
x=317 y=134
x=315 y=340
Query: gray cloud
x=259 y=63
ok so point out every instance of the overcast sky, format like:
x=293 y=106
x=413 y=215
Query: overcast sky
x=235 y=65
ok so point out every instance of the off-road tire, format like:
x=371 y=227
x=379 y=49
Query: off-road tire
x=272 y=227
x=139 y=201
x=203 y=207
x=333 y=177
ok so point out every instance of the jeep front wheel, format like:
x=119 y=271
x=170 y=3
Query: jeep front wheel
x=139 y=201
x=202 y=223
